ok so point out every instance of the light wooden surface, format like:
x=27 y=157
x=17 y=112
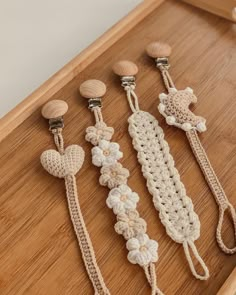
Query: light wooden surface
x=125 y=68
x=41 y=95
x=225 y=8
x=92 y=89
x=158 y=49
x=229 y=287
x=38 y=250
x=54 y=109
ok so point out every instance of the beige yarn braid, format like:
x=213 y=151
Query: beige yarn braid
x=215 y=187
x=65 y=164
x=163 y=181
x=115 y=180
x=174 y=106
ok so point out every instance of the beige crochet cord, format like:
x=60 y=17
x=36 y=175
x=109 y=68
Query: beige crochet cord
x=65 y=163
x=123 y=201
x=174 y=106
x=163 y=181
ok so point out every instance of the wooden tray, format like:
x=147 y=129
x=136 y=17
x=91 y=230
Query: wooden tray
x=38 y=249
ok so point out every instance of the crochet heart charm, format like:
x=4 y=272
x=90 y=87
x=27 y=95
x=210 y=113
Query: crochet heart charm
x=62 y=165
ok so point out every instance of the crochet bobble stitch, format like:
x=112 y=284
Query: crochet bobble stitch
x=163 y=181
x=65 y=163
x=174 y=106
x=121 y=199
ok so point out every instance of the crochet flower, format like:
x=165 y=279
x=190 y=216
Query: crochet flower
x=100 y=131
x=130 y=224
x=106 y=153
x=122 y=198
x=113 y=175
x=142 y=250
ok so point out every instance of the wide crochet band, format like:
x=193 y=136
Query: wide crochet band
x=163 y=181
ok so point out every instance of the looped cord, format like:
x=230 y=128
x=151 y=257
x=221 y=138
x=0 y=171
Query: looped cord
x=190 y=244
x=132 y=98
x=58 y=139
x=82 y=234
x=150 y=273
x=215 y=187
x=98 y=114
x=222 y=211
x=167 y=78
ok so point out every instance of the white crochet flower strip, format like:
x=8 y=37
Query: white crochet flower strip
x=142 y=250
x=123 y=201
x=163 y=181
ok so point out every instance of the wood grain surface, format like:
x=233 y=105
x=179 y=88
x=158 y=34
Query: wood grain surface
x=226 y=8
x=229 y=287
x=38 y=249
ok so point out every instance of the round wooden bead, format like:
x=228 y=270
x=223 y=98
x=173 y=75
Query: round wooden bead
x=92 y=89
x=54 y=109
x=125 y=68
x=158 y=49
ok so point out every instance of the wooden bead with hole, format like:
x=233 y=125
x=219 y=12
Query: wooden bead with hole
x=92 y=89
x=158 y=49
x=125 y=68
x=54 y=109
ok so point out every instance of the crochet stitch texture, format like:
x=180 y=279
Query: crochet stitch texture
x=65 y=163
x=163 y=181
x=123 y=201
x=175 y=107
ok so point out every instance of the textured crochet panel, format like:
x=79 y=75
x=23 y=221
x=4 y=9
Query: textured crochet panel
x=69 y=163
x=122 y=199
x=163 y=181
x=174 y=106
x=65 y=163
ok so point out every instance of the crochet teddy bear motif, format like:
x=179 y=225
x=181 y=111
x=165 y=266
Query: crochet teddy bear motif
x=61 y=165
x=174 y=106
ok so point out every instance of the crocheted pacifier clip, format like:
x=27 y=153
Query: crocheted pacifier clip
x=123 y=201
x=163 y=181
x=65 y=163
x=174 y=106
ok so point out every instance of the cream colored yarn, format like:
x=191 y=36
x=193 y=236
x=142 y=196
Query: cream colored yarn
x=61 y=165
x=216 y=188
x=174 y=106
x=123 y=201
x=163 y=181
x=65 y=163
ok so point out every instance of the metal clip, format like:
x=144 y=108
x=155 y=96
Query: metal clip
x=128 y=81
x=95 y=102
x=162 y=62
x=56 y=123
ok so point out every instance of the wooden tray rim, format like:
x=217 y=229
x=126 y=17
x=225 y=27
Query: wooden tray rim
x=42 y=94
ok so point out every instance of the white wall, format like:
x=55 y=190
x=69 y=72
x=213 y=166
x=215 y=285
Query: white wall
x=38 y=37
